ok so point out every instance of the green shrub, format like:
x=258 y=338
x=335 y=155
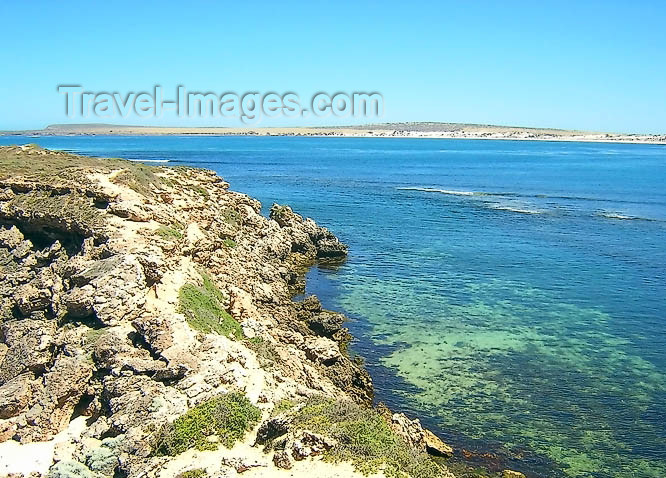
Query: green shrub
x=212 y=290
x=265 y=350
x=69 y=469
x=201 y=191
x=227 y=417
x=70 y=212
x=196 y=473
x=169 y=233
x=231 y=217
x=139 y=177
x=203 y=308
x=283 y=406
x=229 y=243
x=364 y=438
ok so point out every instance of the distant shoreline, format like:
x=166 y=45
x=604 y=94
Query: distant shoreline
x=388 y=130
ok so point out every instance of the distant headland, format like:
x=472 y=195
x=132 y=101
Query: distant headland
x=430 y=130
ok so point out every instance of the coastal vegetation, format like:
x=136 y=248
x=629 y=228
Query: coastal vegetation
x=203 y=307
x=28 y=162
x=69 y=211
x=169 y=233
x=224 y=419
x=122 y=360
x=362 y=436
x=195 y=473
x=140 y=178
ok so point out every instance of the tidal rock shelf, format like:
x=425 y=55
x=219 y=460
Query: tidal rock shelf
x=148 y=329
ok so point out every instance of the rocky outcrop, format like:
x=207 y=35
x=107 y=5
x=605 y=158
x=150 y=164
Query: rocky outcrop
x=95 y=257
x=512 y=474
x=307 y=238
x=419 y=437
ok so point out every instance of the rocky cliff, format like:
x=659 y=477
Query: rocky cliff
x=148 y=329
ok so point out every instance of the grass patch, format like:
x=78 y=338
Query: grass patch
x=226 y=417
x=92 y=336
x=140 y=178
x=231 y=217
x=364 y=439
x=229 y=243
x=283 y=406
x=211 y=289
x=203 y=308
x=66 y=212
x=169 y=233
x=196 y=473
x=201 y=191
x=264 y=349
x=57 y=168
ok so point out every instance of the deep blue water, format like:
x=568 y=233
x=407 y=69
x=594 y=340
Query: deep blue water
x=512 y=294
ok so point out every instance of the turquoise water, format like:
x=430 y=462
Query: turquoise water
x=513 y=294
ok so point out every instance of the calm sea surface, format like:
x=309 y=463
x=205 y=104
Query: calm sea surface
x=512 y=294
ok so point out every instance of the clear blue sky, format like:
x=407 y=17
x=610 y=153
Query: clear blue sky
x=595 y=65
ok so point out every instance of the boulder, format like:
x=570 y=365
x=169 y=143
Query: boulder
x=79 y=301
x=156 y=331
x=30 y=344
x=512 y=474
x=321 y=350
x=302 y=445
x=15 y=395
x=308 y=444
x=326 y=323
x=10 y=238
x=418 y=437
x=64 y=386
x=29 y=298
x=273 y=428
x=435 y=446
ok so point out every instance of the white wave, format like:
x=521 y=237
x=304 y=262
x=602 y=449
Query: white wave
x=150 y=160
x=515 y=209
x=621 y=217
x=441 y=191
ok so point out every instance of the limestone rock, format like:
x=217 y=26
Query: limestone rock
x=435 y=446
x=156 y=331
x=300 y=446
x=29 y=345
x=326 y=324
x=64 y=386
x=273 y=428
x=15 y=395
x=418 y=437
x=29 y=298
x=311 y=444
x=10 y=238
x=322 y=350
x=133 y=212
x=79 y=301
x=512 y=474
x=92 y=324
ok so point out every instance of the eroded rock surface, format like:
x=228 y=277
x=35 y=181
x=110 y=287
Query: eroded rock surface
x=93 y=255
x=97 y=258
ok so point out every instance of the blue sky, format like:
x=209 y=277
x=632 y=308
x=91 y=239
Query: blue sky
x=594 y=65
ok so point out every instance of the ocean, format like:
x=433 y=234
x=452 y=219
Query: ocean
x=511 y=294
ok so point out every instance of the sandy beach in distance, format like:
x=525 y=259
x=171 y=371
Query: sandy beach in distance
x=384 y=130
